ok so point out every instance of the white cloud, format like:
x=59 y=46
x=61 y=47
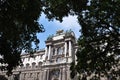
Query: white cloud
x=69 y=22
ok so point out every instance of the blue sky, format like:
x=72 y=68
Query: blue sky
x=51 y=27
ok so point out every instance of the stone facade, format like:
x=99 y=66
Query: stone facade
x=51 y=63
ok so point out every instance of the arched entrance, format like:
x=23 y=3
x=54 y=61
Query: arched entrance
x=54 y=74
x=55 y=79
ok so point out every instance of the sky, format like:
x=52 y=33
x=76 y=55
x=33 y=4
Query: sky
x=51 y=27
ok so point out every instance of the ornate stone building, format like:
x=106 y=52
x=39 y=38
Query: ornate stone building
x=51 y=63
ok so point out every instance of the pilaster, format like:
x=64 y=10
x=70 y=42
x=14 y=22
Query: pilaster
x=70 y=49
x=46 y=51
x=65 y=48
x=60 y=76
x=64 y=76
x=49 y=52
x=45 y=75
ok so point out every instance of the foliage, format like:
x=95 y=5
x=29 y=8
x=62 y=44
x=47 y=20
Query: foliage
x=99 y=44
x=18 y=28
x=3 y=77
x=57 y=9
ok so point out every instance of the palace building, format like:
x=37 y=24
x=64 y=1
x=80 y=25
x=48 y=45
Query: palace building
x=51 y=63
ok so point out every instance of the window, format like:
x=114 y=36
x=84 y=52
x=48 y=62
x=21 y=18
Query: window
x=33 y=64
x=23 y=59
x=60 y=50
x=53 y=51
x=28 y=58
x=27 y=65
x=40 y=64
x=22 y=65
x=34 y=57
x=58 y=59
x=55 y=72
x=41 y=56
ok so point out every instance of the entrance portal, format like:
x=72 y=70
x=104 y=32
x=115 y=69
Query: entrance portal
x=55 y=79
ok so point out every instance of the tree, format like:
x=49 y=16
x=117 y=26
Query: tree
x=99 y=44
x=2 y=77
x=18 y=29
x=57 y=9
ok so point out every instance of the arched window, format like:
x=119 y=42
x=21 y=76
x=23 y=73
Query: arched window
x=33 y=65
x=60 y=50
x=23 y=59
x=59 y=59
x=39 y=64
x=54 y=74
x=22 y=65
x=27 y=65
x=28 y=58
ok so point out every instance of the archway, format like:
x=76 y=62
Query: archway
x=33 y=65
x=54 y=74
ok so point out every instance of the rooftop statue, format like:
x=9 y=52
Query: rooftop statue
x=59 y=31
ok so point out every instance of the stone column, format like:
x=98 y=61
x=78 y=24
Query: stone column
x=65 y=48
x=11 y=77
x=55 y=51
x=48 y=74
x=70 y=49
x=49 y=53
x=45 y=75
x=68 y=74
x=60 y=75
x=64 y=74
x=26 y=76
x=41 y=75
x=46 y=51
x=35 y=76
x=21 y=76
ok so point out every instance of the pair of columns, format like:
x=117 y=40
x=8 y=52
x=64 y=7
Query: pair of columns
x=48 y=49
x=68 y=48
